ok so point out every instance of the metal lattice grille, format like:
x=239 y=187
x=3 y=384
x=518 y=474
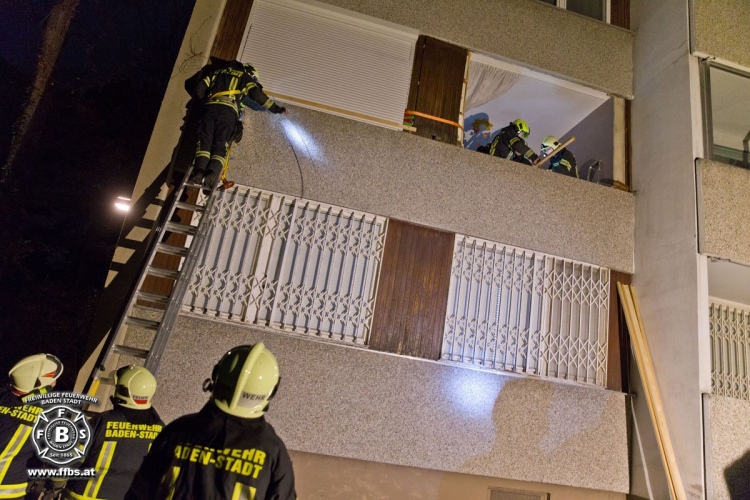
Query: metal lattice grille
x=730 y=350
x=516 y=310
x=291 y=264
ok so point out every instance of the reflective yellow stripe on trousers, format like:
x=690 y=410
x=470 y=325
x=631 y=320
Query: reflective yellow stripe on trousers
x=243 y=492
x=172 y=481
x=102 y=466
x=9 y=453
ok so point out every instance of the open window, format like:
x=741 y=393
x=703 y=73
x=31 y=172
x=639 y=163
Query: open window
x=498 y=93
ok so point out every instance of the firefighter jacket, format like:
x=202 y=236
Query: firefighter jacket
x=121 y=438
x=214 y=455
x=564 y=163
x=234 y=86
x=508 y=145
x=17 y=451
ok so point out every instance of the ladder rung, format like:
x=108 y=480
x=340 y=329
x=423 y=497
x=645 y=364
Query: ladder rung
x=131 y=351
x=142 y=322
x=180 y=228
x=163 y=273
x=156 y=298
x=106 y=380
x=172 y=249
x=189 y=206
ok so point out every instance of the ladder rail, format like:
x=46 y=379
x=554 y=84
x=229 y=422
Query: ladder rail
x=155 y=238
x=180 y=287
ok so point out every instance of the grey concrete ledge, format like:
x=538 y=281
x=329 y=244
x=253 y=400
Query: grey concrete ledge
x=730 y=447
x=529 y=33
x=395 y=174
x=722 y=30
x=725 y=211
x=366 y=405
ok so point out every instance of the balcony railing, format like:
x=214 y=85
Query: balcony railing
x=730 y=350
x=516 y=310
x=305 y=267
x=290 y=264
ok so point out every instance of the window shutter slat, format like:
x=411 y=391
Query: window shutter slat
x=322 y=56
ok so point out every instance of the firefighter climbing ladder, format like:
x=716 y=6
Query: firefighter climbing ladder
x=159 y=320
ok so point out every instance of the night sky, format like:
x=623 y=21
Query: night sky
x=86 y=142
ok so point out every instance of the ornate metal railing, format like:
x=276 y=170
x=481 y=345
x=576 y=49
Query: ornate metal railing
x=290 y=264
x=517 y=310
x=730 y=350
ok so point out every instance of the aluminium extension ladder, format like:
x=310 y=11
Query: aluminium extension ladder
x=161 y=321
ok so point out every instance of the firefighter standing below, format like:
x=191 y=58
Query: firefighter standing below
x=224 y=90
x=120 y=437
x=227 y=450
x=564 y=162
x=31 y=376
x=510 y=144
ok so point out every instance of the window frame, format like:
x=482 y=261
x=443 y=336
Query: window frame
x=563 y=4
x=705 y=67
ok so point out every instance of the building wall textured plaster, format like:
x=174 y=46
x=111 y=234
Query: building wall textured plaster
x=350 y=402
x=528 y=32
x=395 y=174
x=730 y=447
x=321 y=477
x=725 y=211
x=721 y=28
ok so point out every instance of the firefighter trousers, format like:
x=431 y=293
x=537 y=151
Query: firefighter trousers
x=215 y=131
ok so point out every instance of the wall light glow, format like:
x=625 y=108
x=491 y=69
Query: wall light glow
x=474 y=393
x=301 y=140
x=122 y=204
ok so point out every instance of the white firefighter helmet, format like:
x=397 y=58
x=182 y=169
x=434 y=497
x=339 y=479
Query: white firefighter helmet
x=549 y=144
x=244 y=380
x=35 y=372
x=134 y=387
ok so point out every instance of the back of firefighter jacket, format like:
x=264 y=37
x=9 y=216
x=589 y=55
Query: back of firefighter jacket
x=507 y=144
x=17 y=452
x=213 y=455
x=226 y=86
x=121 y=438
x=564 y=163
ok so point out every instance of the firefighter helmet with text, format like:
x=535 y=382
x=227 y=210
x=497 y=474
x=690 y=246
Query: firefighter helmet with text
x=244 y=381
x=35 y=372
x=134 y=387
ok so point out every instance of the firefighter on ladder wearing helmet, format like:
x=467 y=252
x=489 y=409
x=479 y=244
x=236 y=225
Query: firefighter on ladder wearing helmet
x=31 y=376
x=121 y=437
x=227 y=450
x=564 y=162
x=226 y=91
x=510 y=143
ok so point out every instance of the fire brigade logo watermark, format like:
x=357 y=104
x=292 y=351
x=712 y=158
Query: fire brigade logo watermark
x=61 y=434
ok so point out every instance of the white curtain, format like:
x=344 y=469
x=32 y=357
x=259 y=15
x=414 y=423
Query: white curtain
x=486 y=83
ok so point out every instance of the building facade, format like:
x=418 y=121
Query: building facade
x=447 y=322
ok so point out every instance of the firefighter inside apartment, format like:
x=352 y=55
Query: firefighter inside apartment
x=510 y=143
